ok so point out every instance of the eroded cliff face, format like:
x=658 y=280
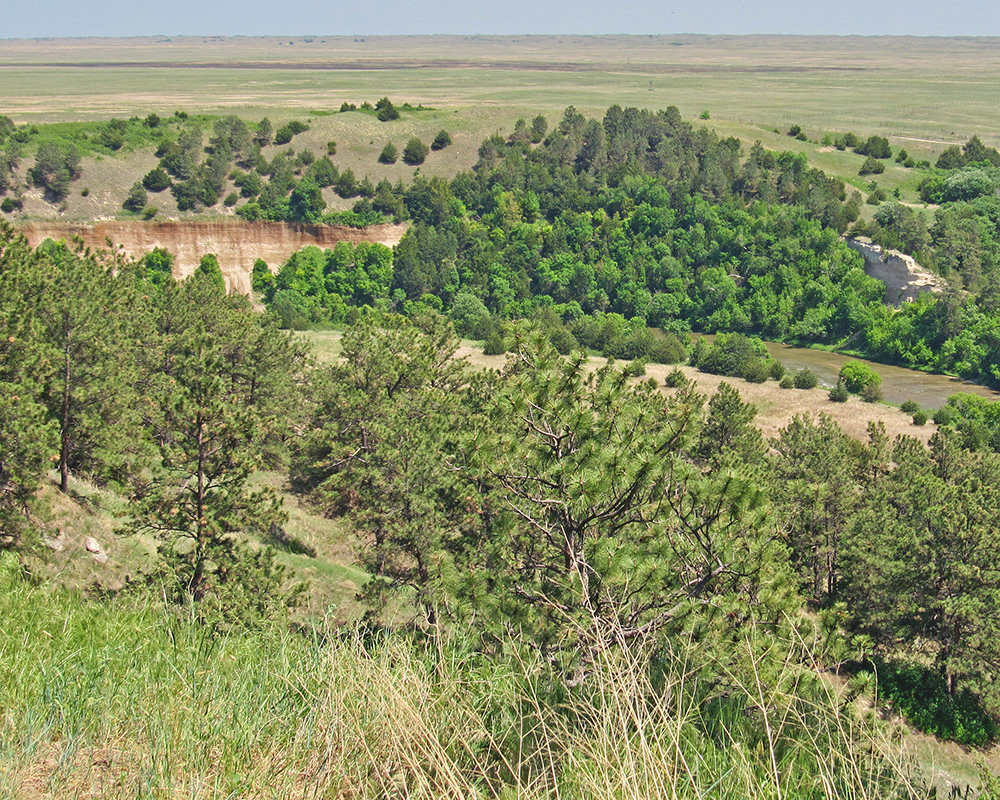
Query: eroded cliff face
x=236 y=244
x=903 y=277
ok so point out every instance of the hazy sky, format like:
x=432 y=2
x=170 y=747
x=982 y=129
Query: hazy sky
x=40 y=18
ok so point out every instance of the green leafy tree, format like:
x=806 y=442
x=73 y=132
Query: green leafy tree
x=159 y=265
x=856 y=375
x=306 y=203
x=209 y=269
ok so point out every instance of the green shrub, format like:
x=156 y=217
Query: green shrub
x=856 y=375
x=839 y=393
x=494 y=345
x=415 y=152
x=920 y=418
x=787 y=382
x=910 y=407
x=871 y=393
x=922 y=696
x=441 y=141
x=385 y=111
x=805 y=379
x=156 y=180
x=292 y=128
x=675 y=379
x=776 y=370
x=756 y=371
x=635 y=369
x=136 y=199
x=945 y=415
x=732 y=354
x=389 y=154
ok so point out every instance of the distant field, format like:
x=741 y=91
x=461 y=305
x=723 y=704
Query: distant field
x=943 y=89
x=921 y=93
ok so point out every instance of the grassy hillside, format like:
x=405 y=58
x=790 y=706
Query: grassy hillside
x=753 y=88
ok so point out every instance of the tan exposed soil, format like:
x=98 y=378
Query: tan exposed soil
x=775 y=406
x=236 y=244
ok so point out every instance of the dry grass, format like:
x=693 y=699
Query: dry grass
x=173 y=714
x=923 y=88
x=775 y=406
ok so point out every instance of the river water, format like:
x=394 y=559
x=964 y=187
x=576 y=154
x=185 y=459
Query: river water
x=898 y=383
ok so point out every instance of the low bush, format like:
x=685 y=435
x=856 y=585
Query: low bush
x=805 y=379
x=675 y=379
x=921 y=695
x=871 y=393
x=756 y=371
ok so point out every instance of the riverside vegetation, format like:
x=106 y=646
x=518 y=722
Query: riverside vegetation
x=576 y=584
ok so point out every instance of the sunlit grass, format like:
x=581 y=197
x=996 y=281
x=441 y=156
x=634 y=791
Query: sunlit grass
x=130 y=700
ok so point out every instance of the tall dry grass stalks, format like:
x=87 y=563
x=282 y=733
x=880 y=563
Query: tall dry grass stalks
x=112 y=701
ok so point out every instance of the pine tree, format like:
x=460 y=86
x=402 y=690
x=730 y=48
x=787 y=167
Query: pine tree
x=389 y=154
x=598 y=530
x=28 y=439
x=387 y=431
x=219 y=406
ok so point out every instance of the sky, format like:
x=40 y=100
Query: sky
x=44 y=18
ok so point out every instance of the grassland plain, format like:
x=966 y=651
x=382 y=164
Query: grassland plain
x=926 y=92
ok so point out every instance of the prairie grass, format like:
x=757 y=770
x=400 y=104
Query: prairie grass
x=124 y=699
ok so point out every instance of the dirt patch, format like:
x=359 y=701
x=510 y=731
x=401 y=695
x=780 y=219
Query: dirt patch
x=236 y=244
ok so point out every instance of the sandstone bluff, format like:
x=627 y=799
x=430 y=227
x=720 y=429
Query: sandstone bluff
x=236 y=244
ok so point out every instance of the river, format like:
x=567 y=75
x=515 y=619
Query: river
x=898 y=383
